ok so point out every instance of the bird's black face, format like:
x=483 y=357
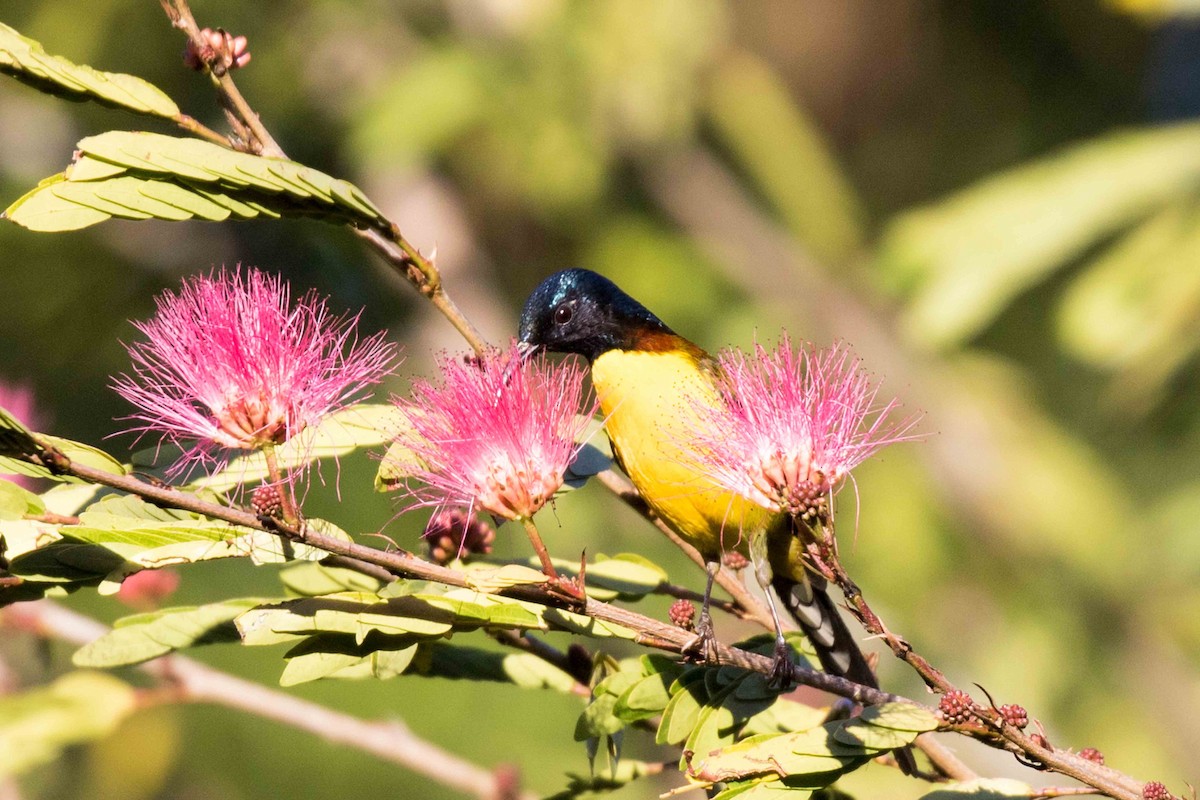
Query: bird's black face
x=578 y=311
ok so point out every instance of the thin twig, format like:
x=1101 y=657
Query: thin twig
x=944 y=759
x=193 y=682
x=254 y=137
x=650 y=631
x=823 y=557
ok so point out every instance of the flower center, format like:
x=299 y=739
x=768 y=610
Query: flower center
x=789 y=481
x=514 y=490
x=249 y=422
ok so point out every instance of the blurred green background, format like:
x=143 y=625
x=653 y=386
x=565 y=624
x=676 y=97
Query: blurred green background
x=995 y=203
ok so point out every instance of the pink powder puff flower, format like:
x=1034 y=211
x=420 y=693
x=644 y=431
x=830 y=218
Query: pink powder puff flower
x=497 y=434
x=18 y=400
x=146 y=589
x=232 y=362
x=793 y=424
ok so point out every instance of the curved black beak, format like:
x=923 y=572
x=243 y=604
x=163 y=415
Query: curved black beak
x=525 y=351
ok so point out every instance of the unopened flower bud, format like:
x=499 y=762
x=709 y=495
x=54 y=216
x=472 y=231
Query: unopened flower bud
x=1014 y=715
x=956 y=707
x=1092 y=754
x=1154 y=790
x=683 y=614
x=266 y=501
x=734 y=560
x=451 y=534
x=218 y=50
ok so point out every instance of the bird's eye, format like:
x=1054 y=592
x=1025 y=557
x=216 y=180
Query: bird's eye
x=563 y=314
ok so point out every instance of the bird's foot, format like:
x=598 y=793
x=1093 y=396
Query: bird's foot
x=703 y=646
x=783 y=669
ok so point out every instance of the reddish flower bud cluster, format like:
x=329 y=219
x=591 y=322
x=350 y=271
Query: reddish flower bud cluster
x=1155 y=790
x=1014 y=715
x=1092 y=754
x=956 y=707
x=220 y=51
x=451 y=534
x=734 y=560
x=683 y=614
x=266 y=501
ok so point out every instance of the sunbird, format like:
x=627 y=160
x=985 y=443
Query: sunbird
x=649 y=381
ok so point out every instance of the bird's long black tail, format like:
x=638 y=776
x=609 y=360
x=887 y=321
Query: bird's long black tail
x=809 y=603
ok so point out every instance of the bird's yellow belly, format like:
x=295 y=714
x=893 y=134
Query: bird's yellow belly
x=647 y=399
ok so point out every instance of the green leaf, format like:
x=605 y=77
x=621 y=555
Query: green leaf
x=140 y=175
x=981 y=789
x=86 y=455
x=965 y=259
x=785 y=716
x=456 y=662
x=597 y=719
x=28 y=62
x=151 y=536
x=490 y=580
x=68 y=499
x=872 y=737
x=145 y=636
x=683 y=711
x=18 y=440
x=307 y=663
x=55 y=558
x=361 y=615
x=15 y=438
x=341 y=433
x=399 y=461
x=763 y=790
x=17 y=501
x=586 y=626
x=900 y=716
x=37 y=724
x=589 y=461
x=310 y=579
x=627 y=575
x=645 y=699
x=626 y=771
x=814 y=755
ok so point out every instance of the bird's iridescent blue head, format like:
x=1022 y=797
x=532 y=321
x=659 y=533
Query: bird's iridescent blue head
x=579 y=311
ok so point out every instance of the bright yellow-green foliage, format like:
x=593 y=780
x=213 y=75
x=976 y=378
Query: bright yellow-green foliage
x=983 y=202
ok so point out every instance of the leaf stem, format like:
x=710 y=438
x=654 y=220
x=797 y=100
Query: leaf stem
x=287 y=501
x=197 y=128
x=539 y=547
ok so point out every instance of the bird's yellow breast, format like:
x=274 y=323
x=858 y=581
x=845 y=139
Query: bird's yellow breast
x=648 y=399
